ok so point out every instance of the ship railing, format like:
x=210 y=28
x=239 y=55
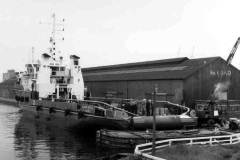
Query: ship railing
x=145 y=150
x=113 y=99
x=95 y=104
x=175 y=104
x=106 y=106
x=218 y=101
x=186 y=109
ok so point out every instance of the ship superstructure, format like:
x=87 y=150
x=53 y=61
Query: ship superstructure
x=51 y=76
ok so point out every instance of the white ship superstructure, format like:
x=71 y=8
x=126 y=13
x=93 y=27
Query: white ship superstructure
x=53 y=78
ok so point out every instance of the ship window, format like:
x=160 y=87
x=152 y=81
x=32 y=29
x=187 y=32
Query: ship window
x=55 y=69
x=30 y=70
x=62 y=69
x=68 y=80
x=76 y=62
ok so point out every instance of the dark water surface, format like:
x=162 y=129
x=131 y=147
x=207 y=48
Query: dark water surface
x=21 y=139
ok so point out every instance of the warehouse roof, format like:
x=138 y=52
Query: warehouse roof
x=176 y=68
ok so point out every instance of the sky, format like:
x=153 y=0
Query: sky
x=105 y=32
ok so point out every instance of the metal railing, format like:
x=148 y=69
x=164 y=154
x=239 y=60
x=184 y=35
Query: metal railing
x=144 y=150
x=187 y=109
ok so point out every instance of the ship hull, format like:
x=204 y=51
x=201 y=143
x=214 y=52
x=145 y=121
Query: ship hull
x=73 y=122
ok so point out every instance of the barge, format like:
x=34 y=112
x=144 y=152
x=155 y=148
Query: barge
x=129 y=139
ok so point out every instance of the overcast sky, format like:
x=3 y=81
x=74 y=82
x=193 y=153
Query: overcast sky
x=104 y=32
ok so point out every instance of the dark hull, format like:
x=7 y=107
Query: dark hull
x=72 y=121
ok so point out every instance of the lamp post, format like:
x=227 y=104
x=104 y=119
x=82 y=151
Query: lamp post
x=154 y=121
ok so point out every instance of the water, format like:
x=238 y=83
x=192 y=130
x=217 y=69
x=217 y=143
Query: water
x=21 y=139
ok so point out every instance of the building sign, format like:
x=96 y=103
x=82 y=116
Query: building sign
x=220 y=73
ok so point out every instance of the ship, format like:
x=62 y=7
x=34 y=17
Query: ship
x=53 y=92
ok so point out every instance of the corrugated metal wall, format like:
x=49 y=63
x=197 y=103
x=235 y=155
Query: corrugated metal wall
x=201 y=85
x=138 y=89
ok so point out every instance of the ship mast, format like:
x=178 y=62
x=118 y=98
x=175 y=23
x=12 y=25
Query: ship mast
x=53 y=37
x=34 y=69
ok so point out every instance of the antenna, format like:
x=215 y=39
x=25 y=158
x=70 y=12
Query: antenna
x=52 y=40
x=34 y=69
x=53 y=36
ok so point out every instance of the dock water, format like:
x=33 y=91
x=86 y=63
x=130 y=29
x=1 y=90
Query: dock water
x=24 y=139
x=9 y=101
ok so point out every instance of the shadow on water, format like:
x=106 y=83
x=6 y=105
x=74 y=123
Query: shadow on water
x=35 y=140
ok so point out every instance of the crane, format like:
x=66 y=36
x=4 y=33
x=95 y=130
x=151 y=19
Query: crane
x=232 y=53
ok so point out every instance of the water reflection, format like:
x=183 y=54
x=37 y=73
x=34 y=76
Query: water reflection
x=39 y=141
x=24 y=139
x=8 y=118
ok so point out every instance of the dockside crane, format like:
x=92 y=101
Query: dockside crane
x=233 y=51
x=207 y=116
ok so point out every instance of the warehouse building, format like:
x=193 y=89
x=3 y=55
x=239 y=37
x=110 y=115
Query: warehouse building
x=9 y=75
x=183 y=80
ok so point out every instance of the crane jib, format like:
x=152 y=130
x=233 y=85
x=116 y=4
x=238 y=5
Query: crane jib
x=233 y=51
